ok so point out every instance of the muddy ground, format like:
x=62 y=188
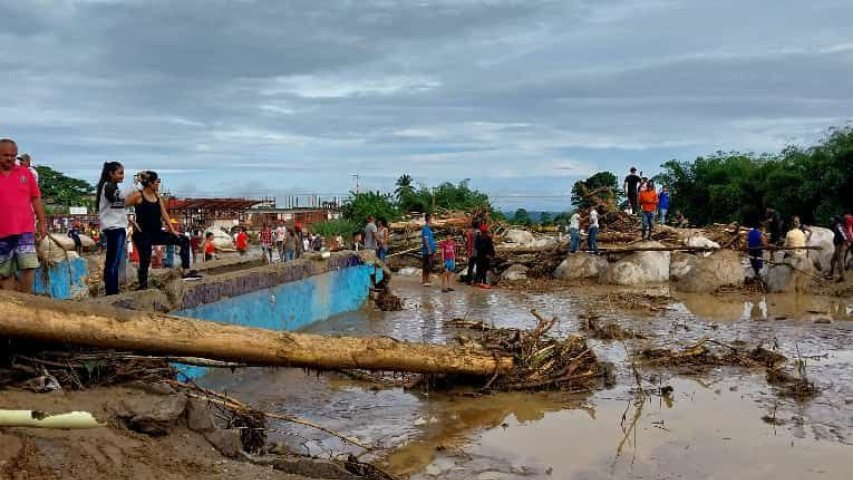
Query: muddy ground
x=717 y=421
x=113 y=451
x=689 y=422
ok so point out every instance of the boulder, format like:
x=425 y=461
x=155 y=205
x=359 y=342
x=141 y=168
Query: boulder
x=820 y=237
x=543 y=242
x=701 y=242
x=515 y=273
x=720 y=269
x=521 y=237
x=793 y=274
x=579 y=266
x=681 y=263
x=409 y=272
x=155 y=418
x=640 y=267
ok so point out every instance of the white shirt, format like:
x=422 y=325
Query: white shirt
x=575 y=221
x=593 y=218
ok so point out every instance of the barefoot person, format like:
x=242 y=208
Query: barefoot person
x=20 y=206
x=110 y=204
x=150 y=213
x=485 y=254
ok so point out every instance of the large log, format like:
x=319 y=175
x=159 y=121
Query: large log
x=101 y=326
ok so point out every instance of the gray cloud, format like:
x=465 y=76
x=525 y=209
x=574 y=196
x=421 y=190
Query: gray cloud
x=521 y=96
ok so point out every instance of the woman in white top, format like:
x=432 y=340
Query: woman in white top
x=110 y=204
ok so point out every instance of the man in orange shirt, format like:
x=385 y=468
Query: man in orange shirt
x=649 y=206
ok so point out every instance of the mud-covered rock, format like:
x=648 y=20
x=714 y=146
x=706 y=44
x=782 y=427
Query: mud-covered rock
x=154 y=418
x=199 y=417
x=793 y=274
x=680 y=263
x=515 y=273
x=640 y=267
x=580 y=266
x=521 y=237
x=720 y=269
x=227 y=442
x=820 y=237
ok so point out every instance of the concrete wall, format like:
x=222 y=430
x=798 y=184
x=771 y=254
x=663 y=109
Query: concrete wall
x=291 y=305
x=68 y=279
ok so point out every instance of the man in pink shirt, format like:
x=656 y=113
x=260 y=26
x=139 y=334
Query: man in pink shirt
x=20 y=198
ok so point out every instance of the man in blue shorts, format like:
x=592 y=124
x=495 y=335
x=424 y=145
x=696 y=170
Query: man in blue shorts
x=20 y=202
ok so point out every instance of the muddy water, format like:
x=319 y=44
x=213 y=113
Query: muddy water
x=724 y=423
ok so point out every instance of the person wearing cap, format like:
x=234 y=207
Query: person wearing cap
x=27 y=162
x=20 y=204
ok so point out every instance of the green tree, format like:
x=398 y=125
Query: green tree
x=545 y=219
x=57 y=188
x=603 y=187
x=813 y=183
x=522 y=217
x=362 y=205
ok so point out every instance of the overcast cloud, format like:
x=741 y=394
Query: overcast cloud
x=521 y=96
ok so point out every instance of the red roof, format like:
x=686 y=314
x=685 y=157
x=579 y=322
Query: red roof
x=232 y=204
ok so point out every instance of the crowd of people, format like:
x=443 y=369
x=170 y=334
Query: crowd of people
x=23 y=224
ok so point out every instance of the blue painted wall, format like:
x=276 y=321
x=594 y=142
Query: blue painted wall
x=65 y=280
x=289 y=306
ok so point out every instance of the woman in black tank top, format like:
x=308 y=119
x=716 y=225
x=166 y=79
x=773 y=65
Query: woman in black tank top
x=148 y=228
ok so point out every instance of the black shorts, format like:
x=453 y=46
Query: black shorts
x=428 y=261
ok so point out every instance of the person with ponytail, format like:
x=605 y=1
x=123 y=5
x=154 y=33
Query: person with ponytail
x=151 y=215
x=110 y=204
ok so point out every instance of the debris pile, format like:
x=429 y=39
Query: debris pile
x=541 y=361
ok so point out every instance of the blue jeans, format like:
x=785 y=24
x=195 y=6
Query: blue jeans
x=592 y=239
x=381 y=253
x=289 y=255
x=116 y=240
x=662 y=218
x=575 y=236
x=648 y=224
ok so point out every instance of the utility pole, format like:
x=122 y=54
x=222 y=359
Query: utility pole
x=357 y=183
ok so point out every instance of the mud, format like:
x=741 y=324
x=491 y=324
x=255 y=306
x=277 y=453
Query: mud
x=117 y=450
x=723 y=421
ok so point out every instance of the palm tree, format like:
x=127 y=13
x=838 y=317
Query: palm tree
x=405 y=189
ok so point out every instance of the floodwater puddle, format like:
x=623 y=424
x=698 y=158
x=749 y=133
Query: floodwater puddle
x=724 y=423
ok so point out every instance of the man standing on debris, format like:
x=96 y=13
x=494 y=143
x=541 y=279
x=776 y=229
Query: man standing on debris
x=663 y=205
x=592 y=231
x=427 y=249
x=839 y=241
x=796 y=238
x=20 y=199
x=370 y=234
x=280 y=237
x=631 y=187
x=575 y=232
x=471 y=249
x=485 y=253
x=774 y=226
x=649 y=205
x=755 y=242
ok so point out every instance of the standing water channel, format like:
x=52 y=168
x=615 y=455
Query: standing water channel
x=722 y=422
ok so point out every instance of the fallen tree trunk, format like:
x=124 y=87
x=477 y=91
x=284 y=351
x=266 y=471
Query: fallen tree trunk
x=100 y=326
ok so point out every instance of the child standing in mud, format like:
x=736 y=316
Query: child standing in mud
x=448 y=257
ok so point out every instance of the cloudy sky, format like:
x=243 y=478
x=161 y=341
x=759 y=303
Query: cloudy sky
x=521 y=96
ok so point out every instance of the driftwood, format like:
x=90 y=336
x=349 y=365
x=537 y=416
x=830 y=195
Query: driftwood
x=49 y=320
